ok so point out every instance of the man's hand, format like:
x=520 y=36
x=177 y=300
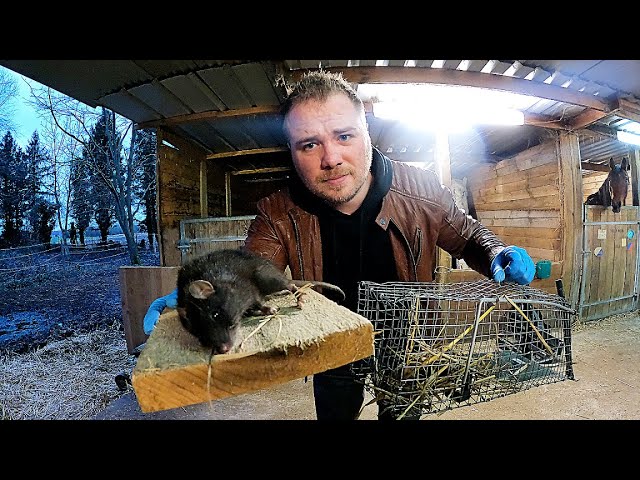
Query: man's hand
x=513 y=264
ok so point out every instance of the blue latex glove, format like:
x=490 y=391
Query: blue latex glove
x=156 y=308
x=513 y=264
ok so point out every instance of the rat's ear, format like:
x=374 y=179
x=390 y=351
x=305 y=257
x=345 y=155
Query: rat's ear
x=201 y=289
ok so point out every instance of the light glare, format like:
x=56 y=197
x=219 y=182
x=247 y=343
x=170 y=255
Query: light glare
x=627 y=137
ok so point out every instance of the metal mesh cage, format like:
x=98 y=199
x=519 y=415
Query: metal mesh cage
x=439 y=346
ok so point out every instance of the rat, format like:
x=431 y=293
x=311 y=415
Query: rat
x=217 y=289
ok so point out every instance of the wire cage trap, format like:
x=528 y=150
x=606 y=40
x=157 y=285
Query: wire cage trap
x=440 y=346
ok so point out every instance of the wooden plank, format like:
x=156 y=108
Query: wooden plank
x=443 y=168
x=139 y=286
x=173 y=369
x=518 y=181
x=532 y=158
x=542 y=215
x=571 y=225
x=529 y=223
x=485 y=178
x=592 y=270
x=549 y=202
x=540 y=243
x=619 y=260
x=204 y=204
x=630 y=251
x=606 y=263
x=525 y=232
x=521 y=194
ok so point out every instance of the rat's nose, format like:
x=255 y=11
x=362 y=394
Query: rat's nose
x=224 y=348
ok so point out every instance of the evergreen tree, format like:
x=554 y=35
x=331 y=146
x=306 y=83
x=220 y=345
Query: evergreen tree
x=81 y=205
x=38 y=186
x=96 y=155
x=46 y=220
x=13 y=188
x=145 y=156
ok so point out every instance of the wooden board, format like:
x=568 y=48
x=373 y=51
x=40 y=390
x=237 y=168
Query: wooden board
x=173 y=369
x=139 y=286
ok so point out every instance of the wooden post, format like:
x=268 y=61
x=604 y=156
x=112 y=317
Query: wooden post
x=570 y=183
x=204 y=202
x=443 y=168
x=227 y=193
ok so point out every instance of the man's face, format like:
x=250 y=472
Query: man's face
x=331 y=150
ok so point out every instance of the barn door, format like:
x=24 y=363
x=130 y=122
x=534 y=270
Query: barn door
x=610 y=265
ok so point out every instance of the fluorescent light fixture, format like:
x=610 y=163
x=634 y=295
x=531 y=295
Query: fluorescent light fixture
x=628 y=137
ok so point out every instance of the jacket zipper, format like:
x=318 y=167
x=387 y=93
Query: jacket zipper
x=296 y=232
x=412 y=261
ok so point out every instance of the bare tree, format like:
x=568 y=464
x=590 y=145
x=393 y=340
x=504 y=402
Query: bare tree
x=75 y=120
x=8 y=94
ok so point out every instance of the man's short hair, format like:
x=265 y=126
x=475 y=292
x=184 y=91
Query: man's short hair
x=318 y=85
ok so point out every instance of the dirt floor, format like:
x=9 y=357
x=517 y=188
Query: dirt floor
x=606 y=356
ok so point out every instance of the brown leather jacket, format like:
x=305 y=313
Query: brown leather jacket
x=418 y=212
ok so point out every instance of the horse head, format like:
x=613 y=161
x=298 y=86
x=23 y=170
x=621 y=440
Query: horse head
x=618 y=183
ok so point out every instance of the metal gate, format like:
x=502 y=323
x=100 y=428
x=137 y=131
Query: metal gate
x=610 y=262
x=202 y=235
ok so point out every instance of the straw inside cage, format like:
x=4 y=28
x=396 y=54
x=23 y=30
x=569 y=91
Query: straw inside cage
x=440 y=346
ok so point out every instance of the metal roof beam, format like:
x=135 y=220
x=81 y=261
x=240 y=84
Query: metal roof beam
x=209 y=115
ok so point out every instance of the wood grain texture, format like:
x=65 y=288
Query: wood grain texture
x=173 y=369
x=139 y=286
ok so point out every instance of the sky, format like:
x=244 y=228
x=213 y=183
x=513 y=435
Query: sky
x=25 y=117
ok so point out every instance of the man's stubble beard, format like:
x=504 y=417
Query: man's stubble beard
x=360 y=181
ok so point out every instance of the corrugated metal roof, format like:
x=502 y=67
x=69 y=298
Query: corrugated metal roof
x=211 y=101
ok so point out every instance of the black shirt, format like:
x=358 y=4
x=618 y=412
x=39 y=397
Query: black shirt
x=354 y=247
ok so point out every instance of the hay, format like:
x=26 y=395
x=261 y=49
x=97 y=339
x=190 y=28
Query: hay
x=69 y=379
x=580 y=325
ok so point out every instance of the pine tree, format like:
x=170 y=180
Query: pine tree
x=38 y=186
x=13 y=188
x=145 y=156
x=96 y=155
x=81 y=205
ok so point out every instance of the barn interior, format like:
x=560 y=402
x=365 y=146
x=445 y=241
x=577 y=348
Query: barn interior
x=220 y=146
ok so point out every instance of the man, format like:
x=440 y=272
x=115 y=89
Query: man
x=352 y=214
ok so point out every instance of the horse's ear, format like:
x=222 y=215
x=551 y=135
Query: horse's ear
x=625 y=163
x=611 y=163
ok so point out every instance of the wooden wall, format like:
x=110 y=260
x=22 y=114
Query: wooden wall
x=519 y=200
x=139 y=286
x=178 y=175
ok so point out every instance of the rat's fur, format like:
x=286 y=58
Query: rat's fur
x=217 y=289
